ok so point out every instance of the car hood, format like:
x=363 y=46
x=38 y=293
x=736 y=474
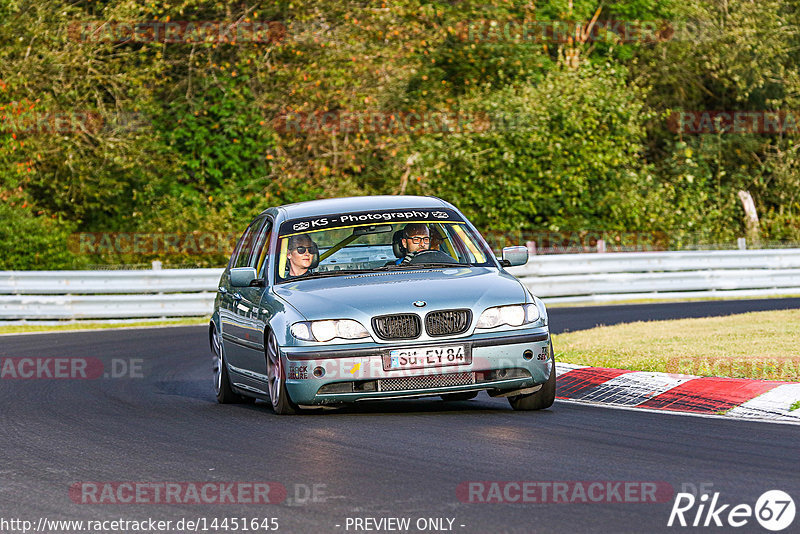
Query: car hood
x=364 y=296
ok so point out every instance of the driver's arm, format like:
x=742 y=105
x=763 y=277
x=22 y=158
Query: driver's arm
x=408 y=257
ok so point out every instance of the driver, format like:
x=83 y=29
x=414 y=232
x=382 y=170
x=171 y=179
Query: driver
x=416 y=238
x=302 y=250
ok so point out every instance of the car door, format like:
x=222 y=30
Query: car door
x=226 y=309
x=247 y=318
x=235 y=333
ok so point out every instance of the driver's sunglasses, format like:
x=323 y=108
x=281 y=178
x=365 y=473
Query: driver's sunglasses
x=302 y=250
x=419 y=239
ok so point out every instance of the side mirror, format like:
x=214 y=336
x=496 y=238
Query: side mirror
x=513 y=256
x=242 y=276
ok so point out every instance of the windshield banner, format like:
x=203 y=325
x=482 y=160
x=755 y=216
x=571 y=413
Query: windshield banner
x=311 y=224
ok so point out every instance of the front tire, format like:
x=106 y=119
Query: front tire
x=543 y=398
x=281 y=403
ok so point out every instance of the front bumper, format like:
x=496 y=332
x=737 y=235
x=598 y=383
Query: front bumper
x=498 y=362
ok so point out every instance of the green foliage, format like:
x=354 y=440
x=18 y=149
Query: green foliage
x=742 y=56
x=32 y=241
x=219 y=136
x=557 y=155
x=188 y=138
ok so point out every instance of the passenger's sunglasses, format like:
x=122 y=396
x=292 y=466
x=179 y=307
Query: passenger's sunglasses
x=419 y=239
x=311 y=250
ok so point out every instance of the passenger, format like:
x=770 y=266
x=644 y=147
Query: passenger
x=302 y=252
x=436 y=239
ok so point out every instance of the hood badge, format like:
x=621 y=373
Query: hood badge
x=420 y=303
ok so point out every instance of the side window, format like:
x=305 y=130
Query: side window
x=238 y=247
x=244 y=249
x=260 y=256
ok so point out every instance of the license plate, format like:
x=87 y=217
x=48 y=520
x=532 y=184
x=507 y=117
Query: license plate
x=421 y=357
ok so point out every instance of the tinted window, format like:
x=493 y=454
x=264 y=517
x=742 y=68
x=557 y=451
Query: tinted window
x=244 y=249
x=260 y=257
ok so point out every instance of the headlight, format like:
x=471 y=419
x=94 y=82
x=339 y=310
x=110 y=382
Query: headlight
x=323 y=330
x=516 y=315
x=328 y=330
x=542 y=310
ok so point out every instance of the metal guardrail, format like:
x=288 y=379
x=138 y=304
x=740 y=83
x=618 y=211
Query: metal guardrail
x=631 y=262
x=102 y=282
x=107 y=294
x=47 y=295
x=662 y=275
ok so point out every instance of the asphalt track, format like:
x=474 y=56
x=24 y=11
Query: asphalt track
x=387 y=459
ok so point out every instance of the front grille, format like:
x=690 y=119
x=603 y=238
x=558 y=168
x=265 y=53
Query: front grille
x=402 y=326
x=411 y=383
x=445 y=323
x=425 y=381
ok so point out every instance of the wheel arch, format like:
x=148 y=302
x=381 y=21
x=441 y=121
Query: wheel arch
x=278 y=326
x=213 y=324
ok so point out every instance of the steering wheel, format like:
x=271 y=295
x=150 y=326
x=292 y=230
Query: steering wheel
x=432 y=256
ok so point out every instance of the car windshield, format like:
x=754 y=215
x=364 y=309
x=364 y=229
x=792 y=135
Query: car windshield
x=377 y=241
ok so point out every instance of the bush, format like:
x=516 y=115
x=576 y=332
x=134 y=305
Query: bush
x=34 y=242
x=563 y=154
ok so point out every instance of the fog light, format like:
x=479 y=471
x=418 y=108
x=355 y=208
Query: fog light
x=319 y=372
x=528 y=354
x=369 y=385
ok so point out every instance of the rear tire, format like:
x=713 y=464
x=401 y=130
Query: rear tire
x=222 y=381
x=467 y=395
x=543 y=398
x=281 y=403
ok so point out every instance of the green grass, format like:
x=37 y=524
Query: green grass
x=89 y=325
x=764 y=345
x=657 y=300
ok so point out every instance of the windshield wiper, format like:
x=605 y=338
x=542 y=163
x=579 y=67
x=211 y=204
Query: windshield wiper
x=426 y=264
x=323 y=274
x=385 y=268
